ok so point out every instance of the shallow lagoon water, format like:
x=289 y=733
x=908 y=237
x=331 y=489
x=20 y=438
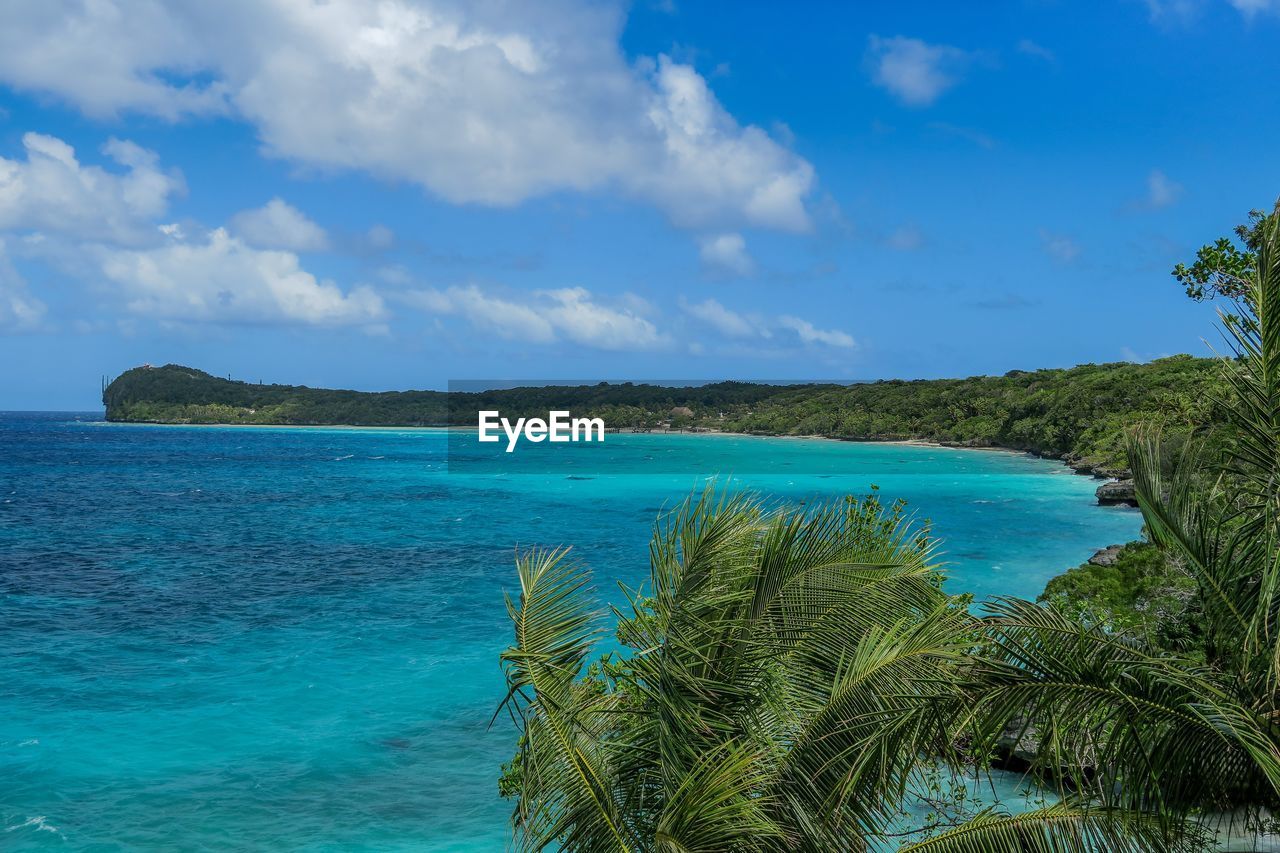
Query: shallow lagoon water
x=248 y=638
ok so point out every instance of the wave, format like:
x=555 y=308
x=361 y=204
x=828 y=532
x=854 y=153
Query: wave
x=40 y=823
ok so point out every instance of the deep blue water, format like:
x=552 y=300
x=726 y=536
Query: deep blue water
x=268 y=638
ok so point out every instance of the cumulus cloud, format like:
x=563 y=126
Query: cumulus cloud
x=736 y=325
x=100 y=227
x=506 y=318
x=220 y=278
x=727 y=252
x=50 y=191
x=809 y=334
x=19 y=310
x=279 y=225
x=914 y=71
x=105 y=56
x=547 y=316
x=710 y=169
x=728 y=323
x=581 y=320
x=489 y=103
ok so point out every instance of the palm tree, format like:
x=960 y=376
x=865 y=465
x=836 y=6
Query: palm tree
x=777 y=684
x=788 y=671
x=1136 y=730
x=778 y=687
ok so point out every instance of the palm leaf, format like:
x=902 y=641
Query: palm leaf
x=568 y=794
x=1061 y=828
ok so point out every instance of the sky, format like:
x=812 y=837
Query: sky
x=403 y=193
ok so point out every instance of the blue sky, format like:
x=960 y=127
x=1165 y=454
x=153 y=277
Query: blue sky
x=397 y=194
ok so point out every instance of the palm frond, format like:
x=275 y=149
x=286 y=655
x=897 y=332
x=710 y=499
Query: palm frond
x=554 y=624
x=1139 y=731
x=1183 y=516
x=717 y=805
x=568 y=787
x=1253 y=406
x=1061 y=828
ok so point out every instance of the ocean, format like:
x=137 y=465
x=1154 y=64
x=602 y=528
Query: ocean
x=285 y=638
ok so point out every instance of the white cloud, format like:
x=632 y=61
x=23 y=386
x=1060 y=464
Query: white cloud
x=50 y=191
x=99 y=225
x=914 y=71
x=733 y=324
x=505 y=318
x=491 y=103
x=104 y=57
x=569 y=314
x=1060 y=247
x=711 y=170
x=19 y=310
x=1161 y=191
x=727 y=322
x=222 y=279
x=809 y=334
x=279 y=225
x=586 y=322
x=727 y=252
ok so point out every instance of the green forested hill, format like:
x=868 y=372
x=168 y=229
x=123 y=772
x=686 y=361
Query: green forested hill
x=1078 y=414
x=177 y=394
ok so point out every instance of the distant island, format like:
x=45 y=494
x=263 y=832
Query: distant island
x=1078 y=414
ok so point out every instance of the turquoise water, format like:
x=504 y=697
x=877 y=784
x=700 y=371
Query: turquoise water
x=236 y=638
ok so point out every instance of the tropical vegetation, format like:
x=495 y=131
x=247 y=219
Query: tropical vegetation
x=789 y=672
x=1139 y=589
x=1160 y=732
x=1078 y=414
x=775 y=687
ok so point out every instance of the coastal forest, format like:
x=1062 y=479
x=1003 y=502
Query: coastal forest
x=1079 y=414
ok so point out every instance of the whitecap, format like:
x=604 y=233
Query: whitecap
x=40 y=823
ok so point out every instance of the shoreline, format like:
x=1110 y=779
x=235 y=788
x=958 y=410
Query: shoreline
x=1106 y=477
x=105 y=422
